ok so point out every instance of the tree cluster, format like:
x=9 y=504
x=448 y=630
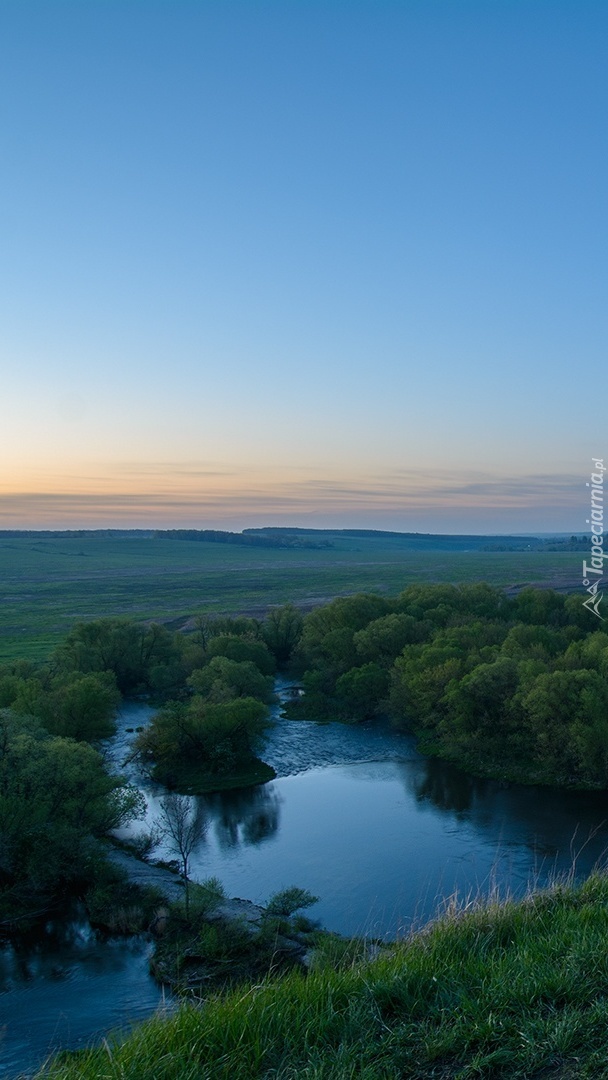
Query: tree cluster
x=141 y=657
x=66 y=703
x=57 y=801
x=505 y=686
x=216 y=732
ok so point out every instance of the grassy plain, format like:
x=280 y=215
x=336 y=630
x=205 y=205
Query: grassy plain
x=46 y=585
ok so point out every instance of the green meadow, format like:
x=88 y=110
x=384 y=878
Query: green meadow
x=48 y=584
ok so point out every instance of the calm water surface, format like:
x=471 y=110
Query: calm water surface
x=382 y=835
x=68 y=987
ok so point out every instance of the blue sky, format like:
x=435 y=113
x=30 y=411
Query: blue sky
x=313 y=263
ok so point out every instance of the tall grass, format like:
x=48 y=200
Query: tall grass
x=503 y=990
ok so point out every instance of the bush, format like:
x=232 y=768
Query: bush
x=288 y=901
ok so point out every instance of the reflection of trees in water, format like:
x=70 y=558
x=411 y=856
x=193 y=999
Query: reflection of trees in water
x=444 y=785
x=559 y=828
x=247 y=816
x=49 y=950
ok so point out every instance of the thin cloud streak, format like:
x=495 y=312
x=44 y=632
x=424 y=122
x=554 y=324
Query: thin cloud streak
x=405 y=492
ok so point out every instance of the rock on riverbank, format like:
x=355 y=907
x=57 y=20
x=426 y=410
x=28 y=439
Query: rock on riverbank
x=172 y=888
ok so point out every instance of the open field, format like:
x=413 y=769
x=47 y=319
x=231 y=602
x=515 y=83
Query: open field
x=46 y=585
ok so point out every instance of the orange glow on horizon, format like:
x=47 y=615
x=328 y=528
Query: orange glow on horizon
x=157 y=494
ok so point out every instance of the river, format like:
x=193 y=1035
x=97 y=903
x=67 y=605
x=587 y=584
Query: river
x=383 y=836
x=69 y=986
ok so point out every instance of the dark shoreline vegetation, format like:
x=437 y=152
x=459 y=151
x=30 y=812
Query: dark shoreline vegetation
x=507 y=686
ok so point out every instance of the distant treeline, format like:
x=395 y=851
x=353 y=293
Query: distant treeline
x=434 y=541
x=220 y=536
x=284 y=530
x=380 y=533
x=73 y=534
x=555 y=543
x=282 y=537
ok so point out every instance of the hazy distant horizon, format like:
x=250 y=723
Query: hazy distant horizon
x=305 y=529
x=504 y=525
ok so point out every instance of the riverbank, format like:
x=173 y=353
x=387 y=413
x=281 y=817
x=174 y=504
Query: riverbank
x=492 y=766
x=508 y=990
x=205 y=940
x=171 y=886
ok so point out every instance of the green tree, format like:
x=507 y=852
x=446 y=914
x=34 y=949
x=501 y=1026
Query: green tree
x=382 y=640
x=443 y=603
x=480 y=706
x=419 y=600
x=351 y=613
x=131 y=651
x=579 y=616
x=71 y=704
x=223 y=679
x=281 y=631
x=533 y=642
x=567 y=714
x=419 y=679
x=81 y=706
x=56 y=802
x=218 y=737
x=590 y=653
x=540 y=607
x=243 y=649
x=362 y=690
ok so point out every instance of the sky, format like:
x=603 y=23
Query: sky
x=325 y=263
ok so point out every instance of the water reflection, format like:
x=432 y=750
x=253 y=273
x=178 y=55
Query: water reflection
x=445 y=786
x=48 y=951
x=67 y=985
x=246 y=816
x=570 y=828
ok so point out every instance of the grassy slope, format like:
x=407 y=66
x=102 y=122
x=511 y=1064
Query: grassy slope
x=517 y=990
x=47 y=585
